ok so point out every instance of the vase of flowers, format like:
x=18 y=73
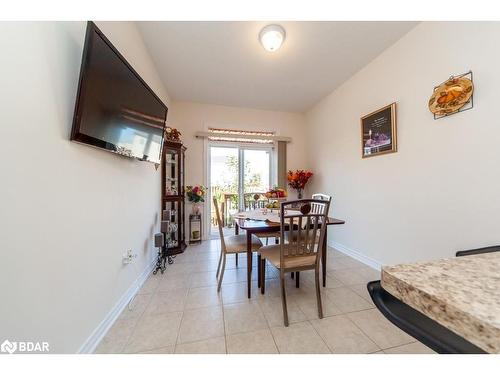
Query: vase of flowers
x=196 y=194
x=297 y=180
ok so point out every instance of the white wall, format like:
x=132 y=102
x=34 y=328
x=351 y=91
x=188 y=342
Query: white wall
x=191 y=117
x=68 y=211
x=440 y=192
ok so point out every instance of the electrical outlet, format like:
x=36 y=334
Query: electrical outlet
x=128 y=257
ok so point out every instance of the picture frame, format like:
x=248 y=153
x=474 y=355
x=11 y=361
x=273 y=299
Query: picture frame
x=379 y=132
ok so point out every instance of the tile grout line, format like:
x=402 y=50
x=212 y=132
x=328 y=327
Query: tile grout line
x=366 y=299
x=155 y=291
x=343 y=314
x=194 y=266
x=398 y=346
x=222 y=300
x=140 y=316
x=182 y=318
x=223 y=319
x=321 y=337
x=267 y=321
x=189 y=309
x=364 y=333
x=178 y=333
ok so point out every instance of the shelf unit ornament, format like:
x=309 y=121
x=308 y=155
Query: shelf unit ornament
x=162 y=256
x=172 y=135
x=454 y=95
x=195 y=228
x=195 y=195
x=172 y=200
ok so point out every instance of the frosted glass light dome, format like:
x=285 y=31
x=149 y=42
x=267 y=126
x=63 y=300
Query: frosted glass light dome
x=272 y=37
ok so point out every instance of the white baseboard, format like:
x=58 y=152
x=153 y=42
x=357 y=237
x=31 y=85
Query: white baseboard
x=95 y=338
x=375 y=264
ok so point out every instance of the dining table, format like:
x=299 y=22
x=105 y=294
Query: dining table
x=262 y=221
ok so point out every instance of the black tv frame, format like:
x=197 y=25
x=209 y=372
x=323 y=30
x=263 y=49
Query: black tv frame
x=78 y=137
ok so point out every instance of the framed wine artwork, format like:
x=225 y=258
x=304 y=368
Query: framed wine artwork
x=378 y=132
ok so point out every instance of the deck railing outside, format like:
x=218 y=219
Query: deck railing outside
x=228 y=204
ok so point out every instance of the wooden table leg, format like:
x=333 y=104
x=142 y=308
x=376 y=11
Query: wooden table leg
x=259 y=273
x=323 y=258
x=249 y=262
x=236 y=232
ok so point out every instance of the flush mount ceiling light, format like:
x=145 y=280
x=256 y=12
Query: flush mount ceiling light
x=272 y=37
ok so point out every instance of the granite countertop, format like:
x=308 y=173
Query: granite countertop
x=462 y=294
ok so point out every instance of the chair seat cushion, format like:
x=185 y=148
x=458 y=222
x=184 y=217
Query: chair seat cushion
x=272 y=254
x=238 y=243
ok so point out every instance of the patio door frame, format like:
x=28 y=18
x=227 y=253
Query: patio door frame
x=241 y=146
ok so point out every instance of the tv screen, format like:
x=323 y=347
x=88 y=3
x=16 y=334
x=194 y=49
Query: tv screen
x=115 y=109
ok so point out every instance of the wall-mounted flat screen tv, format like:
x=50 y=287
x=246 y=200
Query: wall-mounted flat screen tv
x=115 y=109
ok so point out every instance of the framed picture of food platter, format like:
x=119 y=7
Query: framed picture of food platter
x=378 y=132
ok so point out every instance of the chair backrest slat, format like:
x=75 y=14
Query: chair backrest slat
x=321 y=197
x=299 y=234
x=308 y=233
x=253 y=201
x=315 y=228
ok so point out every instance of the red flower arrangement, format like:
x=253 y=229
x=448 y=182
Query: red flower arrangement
x=298 y=180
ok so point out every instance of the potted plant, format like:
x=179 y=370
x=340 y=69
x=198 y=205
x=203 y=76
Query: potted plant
x=297 y=180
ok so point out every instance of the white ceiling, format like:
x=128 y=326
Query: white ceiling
x=224 y=63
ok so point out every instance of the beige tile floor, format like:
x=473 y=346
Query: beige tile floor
x=181 y=312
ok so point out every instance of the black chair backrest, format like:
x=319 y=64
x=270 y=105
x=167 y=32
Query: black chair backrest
x=482 y=250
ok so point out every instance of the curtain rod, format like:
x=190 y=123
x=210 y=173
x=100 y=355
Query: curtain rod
x=243 y=136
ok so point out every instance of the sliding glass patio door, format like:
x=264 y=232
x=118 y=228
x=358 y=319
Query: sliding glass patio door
x=237 y=173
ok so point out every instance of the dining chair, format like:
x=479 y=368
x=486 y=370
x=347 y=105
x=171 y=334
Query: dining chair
x=322 y=197
x=298 y=249
x=234 y=244
x=317 y=196
x=316 y=208
x=253 y=201
x=482 y=250
x=259 y=204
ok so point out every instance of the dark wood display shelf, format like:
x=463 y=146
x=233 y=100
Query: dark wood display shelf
x=172 y=176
